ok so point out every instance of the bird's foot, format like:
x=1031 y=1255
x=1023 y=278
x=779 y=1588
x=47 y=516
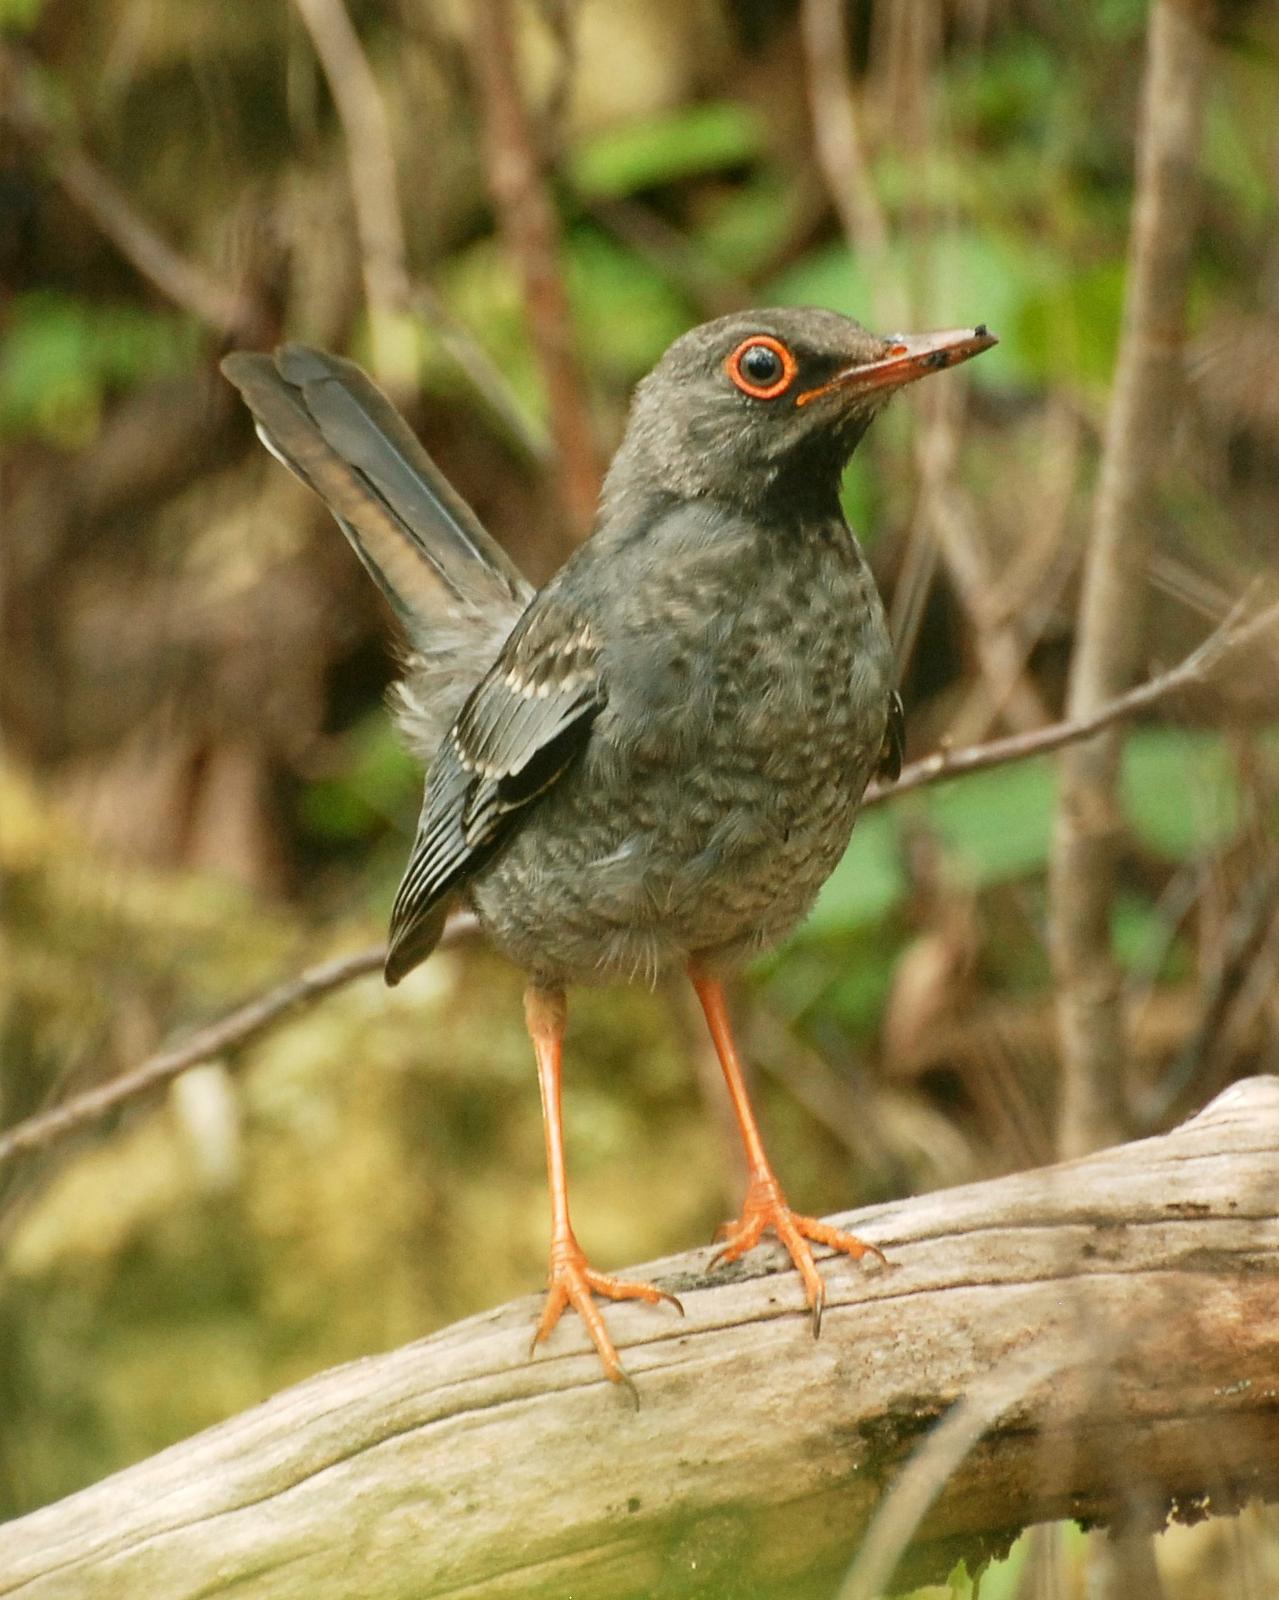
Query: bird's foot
x=765 y=1207
x=573 y=1283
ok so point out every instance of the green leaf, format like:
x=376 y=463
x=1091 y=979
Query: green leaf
x=1178 y=791
x=62 y=355
x=859 y=497
x=996 y=825
x=1069 y=328
x=828 y=276
x=866 y=884
x=743 y=226
x=480 y=288
x=378 y=780
x=1235 y=160
x=971 y=279
x=1138 y=933
x=625 y=311
x=665 y=148
x=860 y=987
x=19 y=16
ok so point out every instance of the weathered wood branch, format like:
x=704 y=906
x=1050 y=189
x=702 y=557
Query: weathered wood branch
x=1111 y=1326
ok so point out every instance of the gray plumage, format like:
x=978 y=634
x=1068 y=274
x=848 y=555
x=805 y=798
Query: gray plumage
x=660 y=754
x=454 y=589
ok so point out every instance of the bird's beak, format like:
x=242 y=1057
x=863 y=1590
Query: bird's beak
x=909 y=356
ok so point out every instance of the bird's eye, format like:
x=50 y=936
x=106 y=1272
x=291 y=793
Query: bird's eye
x=761 y=367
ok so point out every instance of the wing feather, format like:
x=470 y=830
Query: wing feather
x=521 y=727
x=893 y=748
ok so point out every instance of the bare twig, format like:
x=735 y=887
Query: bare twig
x=370 y=158
x=845 y=166
x=1006 y=1388
x=711 y=289
x=1109 y=636
x=1001 y=649
x=482 y=372
x=251 y=1019
x=528 y=220
x=1243 y=941
x=841 y=151
x=1233 y=634
x=228 y=1033
x=389 y=289
x=231 y=312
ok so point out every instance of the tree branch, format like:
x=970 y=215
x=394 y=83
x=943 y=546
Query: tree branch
x=389 y=289
x=844 y=163
x=190 y=286
x=1097 y=1340
x=370 y=159
x=528 y=220
x=1236 y=631
x=247 y=1021
x=236 y=1029
x=1109 y=635
x=841 y=151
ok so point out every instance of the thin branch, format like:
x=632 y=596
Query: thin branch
x=228 y=1033
x=1233 y=634
x=943 y=1453
x=249 y=1020
x=482 y=372
x=389 y=289
x=231 y=312
x=711 y=289
x=999 y=640
x=841 y=151
x=527 y=217
x=845 y=166
x=1109 y=636
x=370 y=159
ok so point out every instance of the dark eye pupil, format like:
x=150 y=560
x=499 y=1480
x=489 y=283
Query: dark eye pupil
x=761 y=365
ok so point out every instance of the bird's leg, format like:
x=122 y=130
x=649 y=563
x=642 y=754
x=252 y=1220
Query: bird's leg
x=765 y=1204
x=570 y=1280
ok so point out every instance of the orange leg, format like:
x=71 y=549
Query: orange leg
x=765 y=1205
x=571 y=1281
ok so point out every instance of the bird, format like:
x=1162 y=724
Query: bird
x=654 y=761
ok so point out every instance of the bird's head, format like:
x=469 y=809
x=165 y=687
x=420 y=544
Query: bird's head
x=766 y=402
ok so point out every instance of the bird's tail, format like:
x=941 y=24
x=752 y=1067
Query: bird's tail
x=454 y=589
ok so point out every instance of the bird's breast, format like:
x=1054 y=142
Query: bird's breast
x=719 y=785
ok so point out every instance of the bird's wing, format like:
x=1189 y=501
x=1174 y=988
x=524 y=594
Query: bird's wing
x=522 y=725
x=423 y=545
x=893 y=749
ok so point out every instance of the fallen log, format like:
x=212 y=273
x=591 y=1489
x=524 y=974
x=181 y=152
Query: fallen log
x=1109 y=1326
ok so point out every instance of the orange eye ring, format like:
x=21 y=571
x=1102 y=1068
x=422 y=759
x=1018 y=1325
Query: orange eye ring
x=762 y=391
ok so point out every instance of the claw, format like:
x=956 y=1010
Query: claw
x=765 y=1207
x=573 y=1283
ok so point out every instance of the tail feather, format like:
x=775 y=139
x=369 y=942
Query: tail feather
x=422 y=544
x=365 y=429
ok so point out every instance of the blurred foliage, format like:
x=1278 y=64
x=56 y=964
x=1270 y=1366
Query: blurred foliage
x=654 y=152
x=63 y=357
x=201 y=790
